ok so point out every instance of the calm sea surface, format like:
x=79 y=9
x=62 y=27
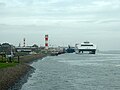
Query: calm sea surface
x=76 y=72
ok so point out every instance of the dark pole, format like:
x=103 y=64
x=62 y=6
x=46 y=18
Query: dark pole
x=10 y=59
x=2 y=57
x=18 y=58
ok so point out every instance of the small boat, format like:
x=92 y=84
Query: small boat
x=70 y=49
x=85 y=47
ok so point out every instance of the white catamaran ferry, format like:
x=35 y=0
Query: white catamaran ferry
x=85 y=47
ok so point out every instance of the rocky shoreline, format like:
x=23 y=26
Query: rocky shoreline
x=12 y=75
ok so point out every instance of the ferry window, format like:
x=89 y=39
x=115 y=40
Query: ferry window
x=86 y=45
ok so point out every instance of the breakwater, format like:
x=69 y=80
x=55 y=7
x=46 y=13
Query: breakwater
x=11 y=75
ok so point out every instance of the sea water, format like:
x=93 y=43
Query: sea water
x=76 y=72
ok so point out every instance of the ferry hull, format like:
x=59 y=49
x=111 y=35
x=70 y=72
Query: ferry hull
x=90 y=51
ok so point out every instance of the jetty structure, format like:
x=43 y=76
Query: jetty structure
x=27 y=49
x=85 y=47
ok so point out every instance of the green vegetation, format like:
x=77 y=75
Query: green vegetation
x=5 y=65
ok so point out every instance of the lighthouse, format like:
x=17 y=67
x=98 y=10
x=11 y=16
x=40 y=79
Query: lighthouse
x=46 y=41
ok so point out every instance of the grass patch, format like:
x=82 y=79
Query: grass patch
x=5 y=65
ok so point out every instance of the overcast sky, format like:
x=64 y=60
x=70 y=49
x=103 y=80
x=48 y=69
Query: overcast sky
x=65 y=21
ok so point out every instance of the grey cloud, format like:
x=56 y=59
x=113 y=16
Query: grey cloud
x=56 y=8
x=2 y=4
x=110 y=21
x=86 y=21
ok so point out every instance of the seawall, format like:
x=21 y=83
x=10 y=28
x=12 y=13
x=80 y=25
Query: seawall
x=12 y=75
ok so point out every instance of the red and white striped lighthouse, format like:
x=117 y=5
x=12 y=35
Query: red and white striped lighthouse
x=46 y=41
